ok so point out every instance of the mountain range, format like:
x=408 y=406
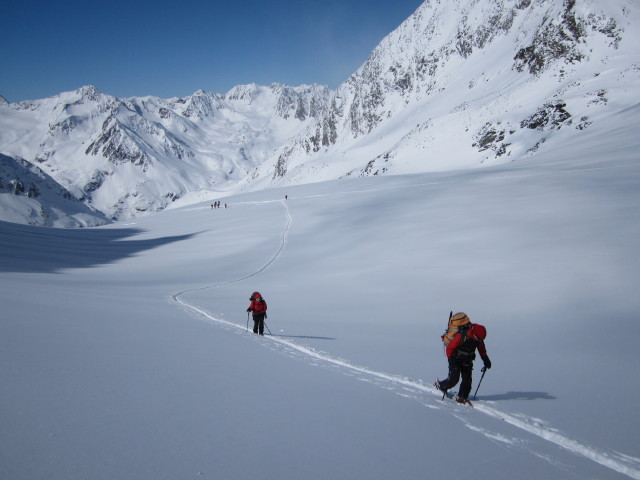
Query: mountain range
x=454 y=86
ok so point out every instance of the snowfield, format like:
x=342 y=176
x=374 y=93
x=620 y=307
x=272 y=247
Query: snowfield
x=124 y=350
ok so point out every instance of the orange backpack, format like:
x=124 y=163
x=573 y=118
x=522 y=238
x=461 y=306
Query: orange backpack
x=458 y=322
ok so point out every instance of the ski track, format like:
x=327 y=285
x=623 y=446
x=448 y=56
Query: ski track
x=410 y=388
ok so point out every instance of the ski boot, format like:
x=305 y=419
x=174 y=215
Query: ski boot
x=463 y=401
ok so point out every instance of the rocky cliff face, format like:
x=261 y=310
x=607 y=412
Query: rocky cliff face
x=479 y=81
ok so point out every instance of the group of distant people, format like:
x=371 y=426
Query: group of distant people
x=218 y=204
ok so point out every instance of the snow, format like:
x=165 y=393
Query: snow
x=124 y=350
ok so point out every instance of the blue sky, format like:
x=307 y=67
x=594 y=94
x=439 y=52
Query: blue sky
x=173 y=48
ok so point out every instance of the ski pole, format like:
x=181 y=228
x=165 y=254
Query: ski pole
x=484 y=370
x=265 y=324
x=248 y=321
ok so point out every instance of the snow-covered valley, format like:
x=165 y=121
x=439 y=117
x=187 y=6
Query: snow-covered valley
x=125 y=351
x=484 y=159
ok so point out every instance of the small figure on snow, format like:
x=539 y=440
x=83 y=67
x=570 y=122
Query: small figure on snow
x=460 y=351
x=259 y=308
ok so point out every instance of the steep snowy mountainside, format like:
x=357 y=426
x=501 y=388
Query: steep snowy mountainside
x=464 y=84
x=27 y=193
x=123 y=157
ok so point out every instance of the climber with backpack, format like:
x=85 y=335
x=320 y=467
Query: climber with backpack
x=461 y=340
x=259 y=308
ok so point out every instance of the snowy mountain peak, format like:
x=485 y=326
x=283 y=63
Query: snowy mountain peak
x=243 y=92
x=461 y=86
x=127 y=157
x=455 y=86
x=89 y=93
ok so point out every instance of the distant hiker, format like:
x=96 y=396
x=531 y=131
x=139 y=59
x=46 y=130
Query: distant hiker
x=286 y=197
x=461 y=348
x=259 y=308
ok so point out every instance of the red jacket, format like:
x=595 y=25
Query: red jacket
x=258 y=306
x=455 y=343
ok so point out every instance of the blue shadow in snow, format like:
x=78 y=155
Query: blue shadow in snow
x=518 y=396
x=31 y=249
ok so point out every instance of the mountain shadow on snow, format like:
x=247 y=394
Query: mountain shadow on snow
x=30 y=249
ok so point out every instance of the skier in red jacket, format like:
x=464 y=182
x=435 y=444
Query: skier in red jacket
x=461 y=354
x=259 y=308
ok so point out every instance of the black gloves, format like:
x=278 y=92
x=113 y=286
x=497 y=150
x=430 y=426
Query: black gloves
x=487 y=362
x=249 y=309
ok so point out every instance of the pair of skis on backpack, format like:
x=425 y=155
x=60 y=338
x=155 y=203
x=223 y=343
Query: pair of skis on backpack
x=445 y=393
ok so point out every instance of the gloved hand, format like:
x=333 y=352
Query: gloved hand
x=249 y=309
x=487 y=362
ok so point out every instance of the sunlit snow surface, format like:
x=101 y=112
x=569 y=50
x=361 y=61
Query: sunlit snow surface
x=124 y=350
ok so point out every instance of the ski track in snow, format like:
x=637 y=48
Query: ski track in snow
x=415 y=389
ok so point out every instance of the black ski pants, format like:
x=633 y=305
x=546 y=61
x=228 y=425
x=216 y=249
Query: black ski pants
x=459 y=367
x=258 y=323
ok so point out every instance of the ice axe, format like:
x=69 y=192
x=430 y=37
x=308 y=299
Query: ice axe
x=483 y=370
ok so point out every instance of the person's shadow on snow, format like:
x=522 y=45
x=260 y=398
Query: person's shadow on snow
x=518 y=396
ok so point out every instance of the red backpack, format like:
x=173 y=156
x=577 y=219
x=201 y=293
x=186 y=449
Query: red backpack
x=258 y=305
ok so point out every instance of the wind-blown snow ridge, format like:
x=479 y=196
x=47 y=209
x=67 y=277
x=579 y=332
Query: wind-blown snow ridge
x=621 y=463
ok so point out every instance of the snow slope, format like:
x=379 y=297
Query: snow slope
x=124 y=350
